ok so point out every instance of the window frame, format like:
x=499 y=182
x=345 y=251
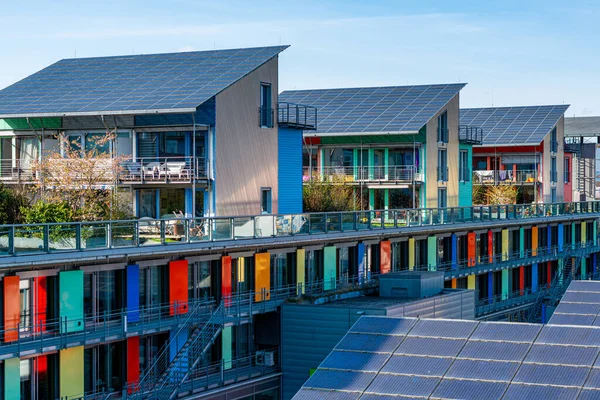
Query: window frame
x=268 y=209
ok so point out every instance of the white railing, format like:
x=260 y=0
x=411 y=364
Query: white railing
x=16 y=170
x=496 y=177
x=163 y=169
x=403 y=173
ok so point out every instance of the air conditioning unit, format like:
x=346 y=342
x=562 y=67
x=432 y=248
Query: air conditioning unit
x=266 y=358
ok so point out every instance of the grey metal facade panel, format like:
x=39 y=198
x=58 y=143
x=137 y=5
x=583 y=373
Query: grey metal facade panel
x=91 y=122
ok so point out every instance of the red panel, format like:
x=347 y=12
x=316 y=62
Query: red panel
x=471 y=241
x=490 y=246
x=41 y=366
x=12 y=306
x=508 y=149
x=133 y=362
x=385 y=258
x=521 y=280
x=178 y=287
x=41 y=303
x=312 y=140
x=549 y=273
x=226 y=279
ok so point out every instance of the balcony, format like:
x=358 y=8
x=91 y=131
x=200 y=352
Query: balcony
x=365 y=174
x=17 y=171
x=470 y=134
x=266 y=117
x=162 y=170
x=573 y=145
x=297 y=116
x=506 y=177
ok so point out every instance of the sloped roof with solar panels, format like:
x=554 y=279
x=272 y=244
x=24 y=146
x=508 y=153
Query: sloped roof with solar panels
x=384 y=357
x=582 y=126
x=513 y=126
x=580 y=305
x=138 y=84
x=392 y=109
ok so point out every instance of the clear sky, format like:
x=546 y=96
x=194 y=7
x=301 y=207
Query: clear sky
x=509 y=52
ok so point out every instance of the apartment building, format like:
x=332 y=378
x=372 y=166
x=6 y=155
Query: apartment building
x=581 y=139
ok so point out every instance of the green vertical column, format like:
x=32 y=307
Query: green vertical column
x=505 y=276
x=70 y=284
x=431 y=253
x=226 y=347
x=355 y=163
x=371 y=199
x=321 y=162
x=505 y=284
x=386 y=202
x=329 y=267
x=12 y=379
x=521 y=242
x=386 y=154
x=371 y=163
x=573 y=227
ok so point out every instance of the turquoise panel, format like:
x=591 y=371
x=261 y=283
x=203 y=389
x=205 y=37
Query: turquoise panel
x=12 y=379
x=465 y=189
x=226 y=348
x=70 y=285
x=431 y=253
x=329 y=267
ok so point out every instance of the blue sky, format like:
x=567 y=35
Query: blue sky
x=509 y=52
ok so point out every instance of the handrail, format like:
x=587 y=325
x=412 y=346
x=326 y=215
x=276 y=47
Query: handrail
x=92 y=235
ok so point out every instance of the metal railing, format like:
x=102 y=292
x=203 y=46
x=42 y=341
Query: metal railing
x=297 y=116
x=162 y=169
x=17 y=170
x=16 y=240
x=496 y=177
x=266 y=117
x=401 y=173
x=470 y=134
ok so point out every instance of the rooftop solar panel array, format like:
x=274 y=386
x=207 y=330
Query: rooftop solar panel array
x=399 y=109
x=580 y=305
x=175 y=81
x=454 y=359
x=513 y=125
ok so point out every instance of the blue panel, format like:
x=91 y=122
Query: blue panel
x=375 y=109
x=361 y=261
x=594 y=263
x=534 y=278
x=133 y=292
x=561 y=236
x=131 y=83
x=454 y=252
x=491 y=285
x=189 y=200
x=289 y=158
x=176 y=345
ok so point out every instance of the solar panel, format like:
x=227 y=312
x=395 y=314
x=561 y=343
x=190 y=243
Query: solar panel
x=506 y=332
x=372 y=343
x=463 y=389
x=577 y=308
x=314 y=394
x=513 y=125
x=520 y=392
x=572 y=319
x=565 y=355
x=557 y=334
x=589 y=395
x=345 y=380
x=375 y=109
x=174 y=81
x=502 y=351
x=369 y=362
x=403 y=385
x=485 y=370
x=389 y=326
x=593 y=379
x=551 y=374
x=427 y=366
x=430 y=346
x=456 y=329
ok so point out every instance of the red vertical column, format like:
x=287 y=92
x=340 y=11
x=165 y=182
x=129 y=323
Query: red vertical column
x=41 y=303
x=226 y=279
x=12 y=308
x=385 y=259
x=549 y=274
x=133 y=362
x=178 y=287
x=490 y=240
x=471 y=241
x=521 y=280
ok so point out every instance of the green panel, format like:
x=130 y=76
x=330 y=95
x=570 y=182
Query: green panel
x=355 y=162
x=226 y=347
x=371 y=199
x=573 y=227
x=20 y=124
x=431 y=253
x=583 y=269
x=329 y=267
x=505 y=284
x=71 y=373
x=386 y=156
x=521 y=242
x=583 y=232
x=12 y=379
x=371 y=153
x=374 y=139
x=70 y=285
x=465 y=189
x=595 y=238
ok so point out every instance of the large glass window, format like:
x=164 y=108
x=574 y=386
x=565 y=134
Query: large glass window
x=443 y=127
x=265 y=200
x=464 y=173
x=553 y=174
x=553 y=141
x=147 y=204
x=442 y=198
x=442 y=165
x=171 y=201
x=266 y=114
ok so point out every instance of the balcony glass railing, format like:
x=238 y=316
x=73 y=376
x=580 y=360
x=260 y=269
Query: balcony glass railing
x=163 y=169
x=400 y=173
x=16 y=240
x=495 y=177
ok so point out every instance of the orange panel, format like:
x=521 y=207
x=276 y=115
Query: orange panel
x=453 y=283
x=385 y=258
x=226 y=279
x=534 y=240
x=490 y=246
x=41 y=306
x=471 y=254
x=262 y=278
x=12 y=308
x=178 y=287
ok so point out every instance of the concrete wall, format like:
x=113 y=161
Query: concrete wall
x=431 y=157
x=246 y=154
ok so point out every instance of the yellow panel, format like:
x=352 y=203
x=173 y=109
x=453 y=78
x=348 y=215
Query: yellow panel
x=411 y=254
x=262 y=276
x=504 y=244
x=534 y=240
x=241 y=270
x=583 y=232
x=300 y=260
x=471 y=282
x=71 y=372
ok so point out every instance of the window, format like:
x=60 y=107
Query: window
x=553 y=177
x=443 y=127
x=463 y=172
x=553 y=195
x=266 y=112
x=567 y=170
x=442 y=198
x=442 y=165
x=553 y=141
x=265 y=200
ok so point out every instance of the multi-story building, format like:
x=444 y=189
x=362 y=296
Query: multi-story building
x=398 y=146
x=195 y=132
x=522 y=146
x=581 y=139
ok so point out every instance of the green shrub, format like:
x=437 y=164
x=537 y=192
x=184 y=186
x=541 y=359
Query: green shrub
x=46 y=212
x=11 y=204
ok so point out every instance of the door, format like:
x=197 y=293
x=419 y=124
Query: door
x=5 y=157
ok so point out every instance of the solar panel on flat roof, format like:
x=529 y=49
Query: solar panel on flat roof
x=427 y=366
x=484 y=370
x=105 y=85
x=513 y=125
x=566 y=355
x=577 y=308
x=344 y=380
x=557 y=334
x=546 y=374
x=572 y=319
x=457 y=329
x=375 y=109
x=314 y=394
x=430 y=346
x=503 y=351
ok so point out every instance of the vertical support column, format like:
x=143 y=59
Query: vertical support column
x=471 y=251
x=300 y=270
x=360 y=249
x=534 y=240
x=386 y=156
x=41 y=303
x=490 y=276
x=133 y=361
x=534 y=277
x=321 y=161
x=132 y=300
x=226 y=283
x=411 y=254
x=71 y=372
x=521 y=280
x=70 y=310
x=454 y=241
x=561 y=237
x=178 y=287
x=549 y=273
x=521 y=242
x=226 y=347
x=505 y=250
x=262 y=276
x=330 y=268
x=12 y=379
x=490 y=239
x=431 y=253
x=12 y=309
x=385 y=257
